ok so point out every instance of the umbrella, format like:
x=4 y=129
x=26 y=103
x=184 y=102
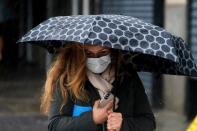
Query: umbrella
x=152 y=48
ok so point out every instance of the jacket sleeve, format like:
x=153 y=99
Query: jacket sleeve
x=65 y=122
x=143 y=118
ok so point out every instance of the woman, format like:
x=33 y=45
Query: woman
x=82 y=75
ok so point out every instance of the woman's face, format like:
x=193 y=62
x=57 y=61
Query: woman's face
x=94 y=51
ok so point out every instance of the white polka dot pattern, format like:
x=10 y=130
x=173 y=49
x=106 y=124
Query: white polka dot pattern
x=119 y=32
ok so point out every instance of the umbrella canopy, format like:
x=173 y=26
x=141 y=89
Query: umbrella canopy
x=155 y=49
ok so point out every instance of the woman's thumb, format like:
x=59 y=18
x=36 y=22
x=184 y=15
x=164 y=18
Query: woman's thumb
x=110 y=111
x=96 y=103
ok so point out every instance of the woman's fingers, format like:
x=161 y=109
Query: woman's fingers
x=114 y=121
x=114 y=114
x=109 y=111
x=113 y=126
x=96 y=103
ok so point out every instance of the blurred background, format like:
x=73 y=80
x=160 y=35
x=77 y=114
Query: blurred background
x=23 y=68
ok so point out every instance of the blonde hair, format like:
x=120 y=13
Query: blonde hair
x=69 y=69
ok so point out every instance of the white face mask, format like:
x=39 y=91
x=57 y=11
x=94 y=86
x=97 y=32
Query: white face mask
x=98 y=65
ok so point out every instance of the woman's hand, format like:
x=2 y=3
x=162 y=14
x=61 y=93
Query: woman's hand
x=114 y=121
x=100 y=114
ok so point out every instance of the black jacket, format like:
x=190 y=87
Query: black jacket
x=133 y=104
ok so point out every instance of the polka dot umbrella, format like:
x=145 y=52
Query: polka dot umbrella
x=152 y=48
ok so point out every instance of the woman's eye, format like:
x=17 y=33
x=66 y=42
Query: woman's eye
x=102 y=53
x=88 y=53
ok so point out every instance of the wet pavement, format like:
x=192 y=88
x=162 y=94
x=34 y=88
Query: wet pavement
x=23 y=122
x=20 y=91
